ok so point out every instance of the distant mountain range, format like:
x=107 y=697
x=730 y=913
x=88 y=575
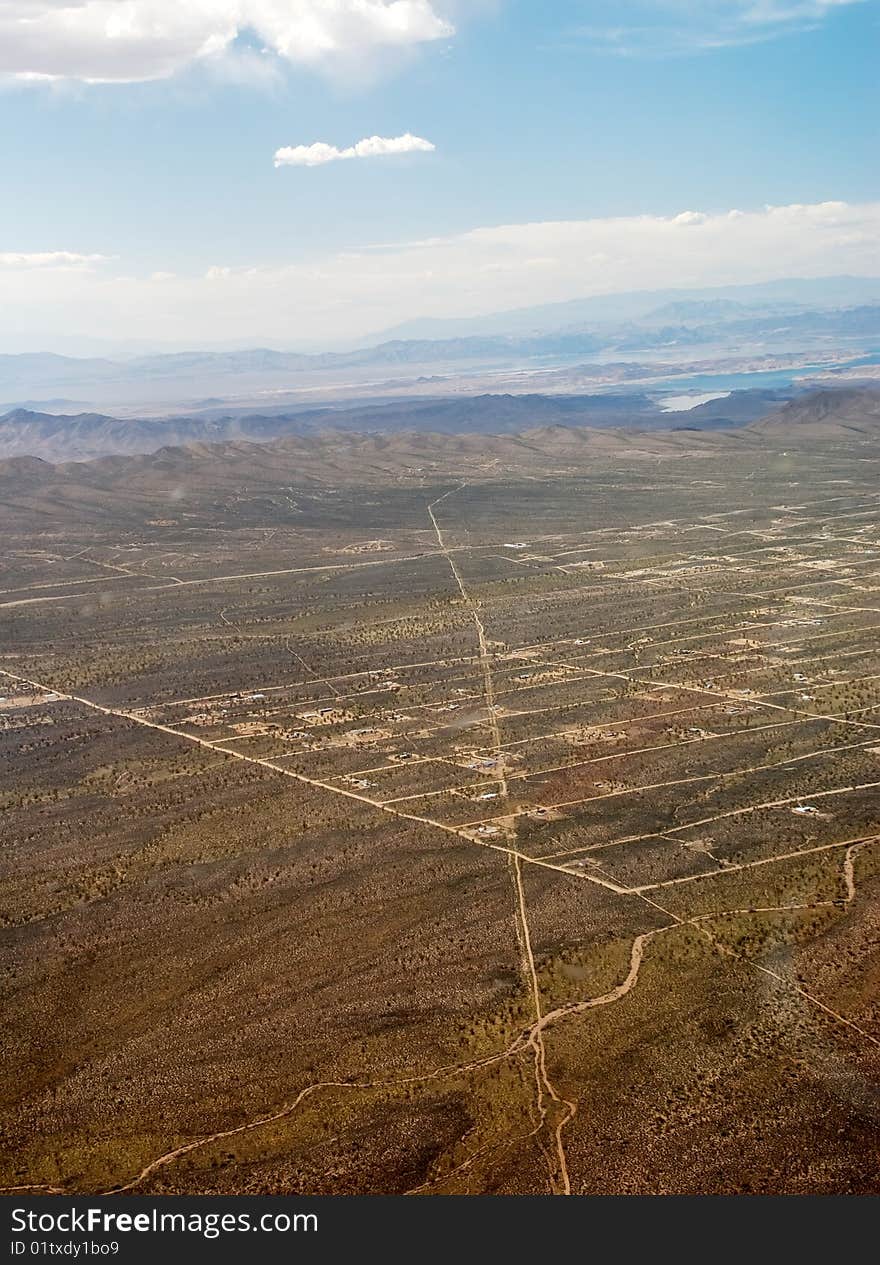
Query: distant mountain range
x=83 y=436
x=781 y=316
x=645 y=305
x=694 y=322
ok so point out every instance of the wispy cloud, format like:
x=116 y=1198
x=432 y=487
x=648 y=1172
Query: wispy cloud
x=320 y=152
x=48 y=259
x=124 y=41
x=670 y=27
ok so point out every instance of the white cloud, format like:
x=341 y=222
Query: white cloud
x=352 y=293
x=663 y=27
x=47 y=259
x=129 y=40
x=370 y=147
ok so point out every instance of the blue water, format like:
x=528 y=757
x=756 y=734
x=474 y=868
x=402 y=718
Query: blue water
x=699 y=382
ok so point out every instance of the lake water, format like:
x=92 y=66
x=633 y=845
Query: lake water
x=681 y=403
x=711 y=385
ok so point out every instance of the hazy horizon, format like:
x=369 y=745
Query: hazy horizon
x=843 y=292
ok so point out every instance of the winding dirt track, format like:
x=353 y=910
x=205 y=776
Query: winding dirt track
x=525 y=1040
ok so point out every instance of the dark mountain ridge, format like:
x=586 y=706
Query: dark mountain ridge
x=202 y=472
x=83 y=436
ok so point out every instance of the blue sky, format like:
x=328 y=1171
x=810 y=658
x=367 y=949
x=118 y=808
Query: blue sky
x=538 y=114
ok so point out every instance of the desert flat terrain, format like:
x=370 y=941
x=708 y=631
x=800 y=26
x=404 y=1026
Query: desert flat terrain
x=446 y=814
